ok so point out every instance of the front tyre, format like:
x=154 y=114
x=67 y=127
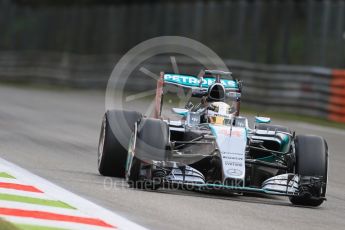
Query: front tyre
x=151 y=140
x=312 y=166
x=112 y=154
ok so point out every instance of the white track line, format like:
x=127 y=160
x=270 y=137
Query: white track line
x=92 y=209
x=12 y=180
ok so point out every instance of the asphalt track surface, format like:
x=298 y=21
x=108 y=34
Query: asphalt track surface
x=54 y=134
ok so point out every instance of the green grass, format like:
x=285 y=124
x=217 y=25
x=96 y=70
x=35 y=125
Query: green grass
x=4 y=225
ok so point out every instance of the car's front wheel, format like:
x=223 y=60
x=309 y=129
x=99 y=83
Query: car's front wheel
x=112 y=154
x=311 y=165
x=148 y=144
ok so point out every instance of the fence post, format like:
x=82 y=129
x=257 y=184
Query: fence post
x=240 y=27
x=324 y=32
x=271 y=32
x=256 y=24
x=308 y=50
x=286 y=31
x=340 y=31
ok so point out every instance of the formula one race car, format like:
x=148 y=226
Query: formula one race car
x=209 y=146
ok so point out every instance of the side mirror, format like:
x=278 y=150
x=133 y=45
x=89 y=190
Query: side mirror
x=182 y=112
x=262 y=120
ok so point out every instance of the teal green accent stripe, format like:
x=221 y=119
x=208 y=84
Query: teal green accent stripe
x=31 y=200
x=285 y=145
x=213 y=130
x=268 y=158
x=237 y=188
x=6 y=175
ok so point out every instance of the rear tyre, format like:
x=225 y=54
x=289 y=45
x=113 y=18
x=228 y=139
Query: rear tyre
x=311 y=161
x=152 y=137
x=112 y=154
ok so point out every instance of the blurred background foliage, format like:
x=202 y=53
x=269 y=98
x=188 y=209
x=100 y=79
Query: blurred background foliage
x=303 y=32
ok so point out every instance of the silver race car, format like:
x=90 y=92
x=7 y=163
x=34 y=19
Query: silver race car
x=206 y=145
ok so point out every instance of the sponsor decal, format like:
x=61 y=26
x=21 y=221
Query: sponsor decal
x=235 y=164
x=194 y=81
x=233 y=157
x=228 y=132
x=234 y=172
x=232 y=148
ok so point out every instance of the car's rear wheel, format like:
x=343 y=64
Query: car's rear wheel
x=112 y=154
x=152 y=137
x=311 y=162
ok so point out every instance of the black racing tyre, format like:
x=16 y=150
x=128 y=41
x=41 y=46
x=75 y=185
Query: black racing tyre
x=134 y=173
x=134 y=178
x=112 y=154
x=151 y=142
x=311 y=161
x=273 y=128
x=152 y=139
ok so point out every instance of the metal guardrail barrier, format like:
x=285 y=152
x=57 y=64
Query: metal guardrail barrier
x=313 y=91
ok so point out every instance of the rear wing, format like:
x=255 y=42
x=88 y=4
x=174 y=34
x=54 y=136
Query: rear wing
x=190 y=81
x=198 y=85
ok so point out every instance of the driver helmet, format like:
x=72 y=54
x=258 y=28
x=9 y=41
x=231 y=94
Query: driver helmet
x=218 y=112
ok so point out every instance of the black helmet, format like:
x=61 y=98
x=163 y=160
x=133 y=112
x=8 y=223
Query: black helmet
x=216 y=92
